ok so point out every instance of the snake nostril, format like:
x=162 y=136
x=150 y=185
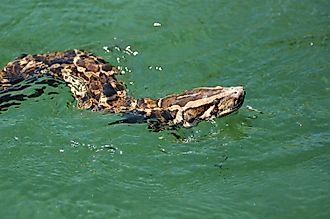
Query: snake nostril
x=216 y=102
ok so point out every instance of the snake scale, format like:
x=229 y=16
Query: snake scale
x=94 y=85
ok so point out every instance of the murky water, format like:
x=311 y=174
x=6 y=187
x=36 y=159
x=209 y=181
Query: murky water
x=59 y=162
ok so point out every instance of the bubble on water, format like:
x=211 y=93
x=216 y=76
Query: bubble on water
x=157 y=24
x=74 y=143
x=105 y=48
x=158 y=68
x=128 y=50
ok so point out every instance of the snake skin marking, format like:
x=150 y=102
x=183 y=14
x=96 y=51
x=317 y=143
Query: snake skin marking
x=94 y=85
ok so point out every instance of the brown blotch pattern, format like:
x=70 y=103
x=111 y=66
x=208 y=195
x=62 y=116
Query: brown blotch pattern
x=94 y=85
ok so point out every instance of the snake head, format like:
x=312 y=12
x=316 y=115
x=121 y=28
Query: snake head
x=202 y=103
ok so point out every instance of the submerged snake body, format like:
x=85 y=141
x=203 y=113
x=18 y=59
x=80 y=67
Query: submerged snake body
x=93 y=84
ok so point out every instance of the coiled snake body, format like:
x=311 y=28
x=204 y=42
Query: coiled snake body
x=93 y=84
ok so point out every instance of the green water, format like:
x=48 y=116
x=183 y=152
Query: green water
x=59 y=162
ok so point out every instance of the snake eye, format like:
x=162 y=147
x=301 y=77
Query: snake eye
x=216 y=102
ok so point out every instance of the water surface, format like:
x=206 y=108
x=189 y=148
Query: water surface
x=59 y=162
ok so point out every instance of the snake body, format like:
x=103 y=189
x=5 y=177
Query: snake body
x=94 y=85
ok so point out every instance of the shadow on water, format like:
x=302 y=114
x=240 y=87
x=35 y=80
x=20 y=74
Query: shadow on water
x=27 y=90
